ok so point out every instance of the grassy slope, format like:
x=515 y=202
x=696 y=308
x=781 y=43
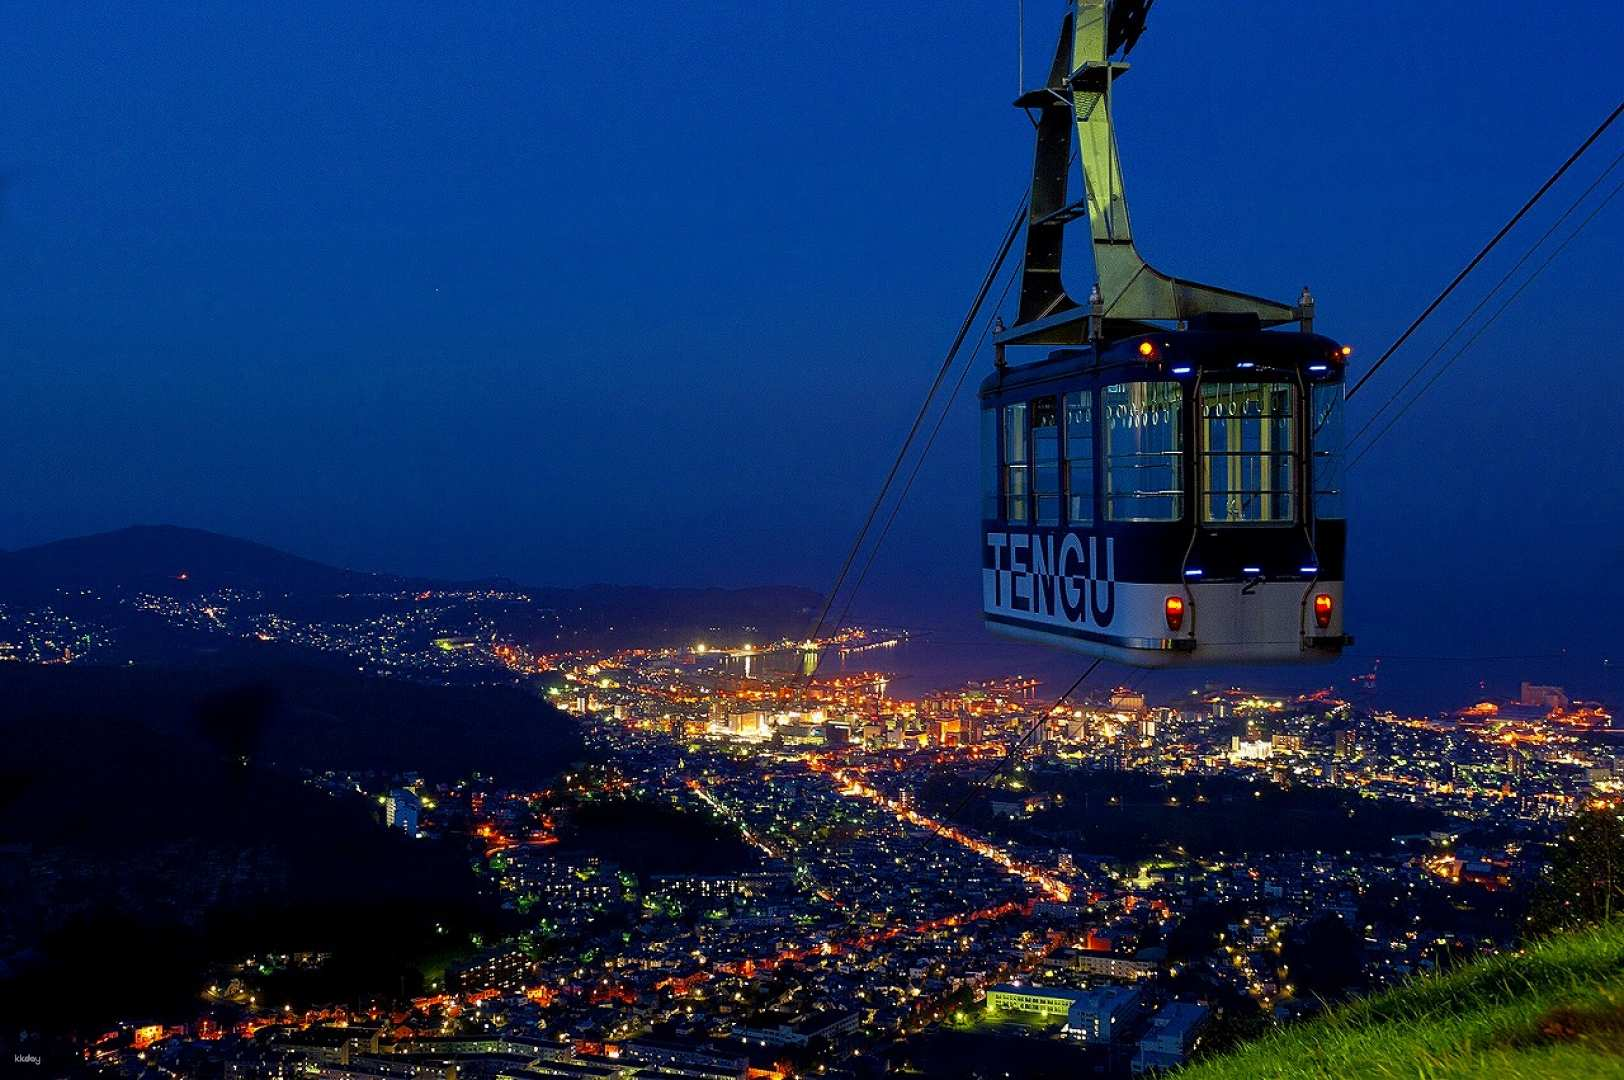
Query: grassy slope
x=1555 y=1011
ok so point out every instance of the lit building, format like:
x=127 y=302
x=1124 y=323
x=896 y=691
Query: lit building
x=1044 y=1001
x=816 y=1026
x=1097 y=1016
x=494 y=969
x=1019 y=808
x=1174 y=1032
x=1111 y=966
x=401 y=810
x=719 y=886
x=1550 y=698
x=971 y=731
x=753 y=724
x=682 y=1059
x=1250 y=749
x=1123 y=700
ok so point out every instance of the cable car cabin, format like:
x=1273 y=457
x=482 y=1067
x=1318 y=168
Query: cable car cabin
x=1153 y=497
x=1171 y=498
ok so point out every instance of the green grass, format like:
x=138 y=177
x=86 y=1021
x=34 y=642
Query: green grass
x=1556 y=1010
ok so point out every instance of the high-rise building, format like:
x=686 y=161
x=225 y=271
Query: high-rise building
x=1344 y=745
x=401 y=810
x=971 y=730
x=1544 y=697
x=1125 y=700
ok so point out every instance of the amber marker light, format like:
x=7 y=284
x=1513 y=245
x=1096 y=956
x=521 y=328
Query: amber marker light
x=1175 y=612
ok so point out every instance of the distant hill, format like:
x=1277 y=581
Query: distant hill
x=171 y=560
x=1556 y=1011
x=154 y=557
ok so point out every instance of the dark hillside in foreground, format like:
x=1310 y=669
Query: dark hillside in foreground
x=295 y=716
x=136 y=847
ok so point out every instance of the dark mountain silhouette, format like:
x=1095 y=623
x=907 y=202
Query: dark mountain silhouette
x=153 y=557
x=170 y=559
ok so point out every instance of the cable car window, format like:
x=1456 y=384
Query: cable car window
x=1016 y=464
x=989 y=463
x=1327 y=445
x=1080 y=457
x=1144 y=446
x=1046 y=459
x=1248 y=438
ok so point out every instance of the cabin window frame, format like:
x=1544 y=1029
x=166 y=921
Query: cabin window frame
x=1048 y=491
x=1079 y=506
x=1327 y=451
x=1016 y=460
x=1258 y=463
x=1129 y=467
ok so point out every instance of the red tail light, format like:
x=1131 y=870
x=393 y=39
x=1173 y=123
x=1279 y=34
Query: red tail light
x=1175 y=612
x=1323 y=605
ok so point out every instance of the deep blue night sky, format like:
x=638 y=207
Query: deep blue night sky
x=647 y=293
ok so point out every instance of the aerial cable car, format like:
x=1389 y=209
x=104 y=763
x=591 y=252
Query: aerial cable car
x=1164 y=487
